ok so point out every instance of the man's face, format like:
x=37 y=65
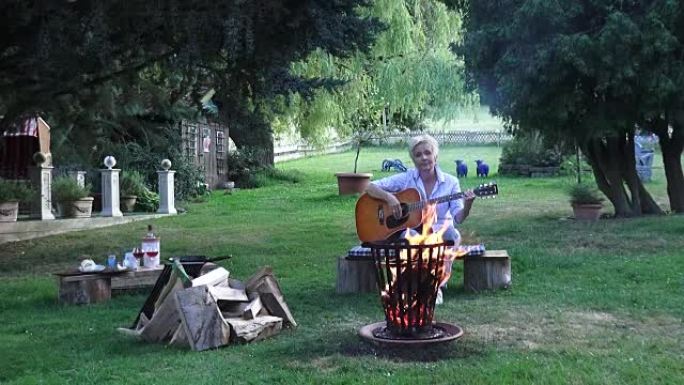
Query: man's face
x=424 y=157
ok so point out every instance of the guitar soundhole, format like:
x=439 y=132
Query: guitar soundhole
x=394 y=222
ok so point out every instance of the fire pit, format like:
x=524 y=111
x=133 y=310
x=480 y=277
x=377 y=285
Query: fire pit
x=408 y=277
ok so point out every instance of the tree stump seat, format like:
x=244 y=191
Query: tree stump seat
x=490 y=271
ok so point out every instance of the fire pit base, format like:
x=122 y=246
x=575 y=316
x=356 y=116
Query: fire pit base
x=376 y=333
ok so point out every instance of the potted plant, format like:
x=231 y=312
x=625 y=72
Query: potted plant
x=586 y=202
x=132 y=186
x=355 y=182
x=11 y=193
x=72 y=199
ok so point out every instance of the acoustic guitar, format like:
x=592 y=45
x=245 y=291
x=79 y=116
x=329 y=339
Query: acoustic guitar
x=375 y=221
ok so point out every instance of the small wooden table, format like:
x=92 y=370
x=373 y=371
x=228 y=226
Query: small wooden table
x=76 y=287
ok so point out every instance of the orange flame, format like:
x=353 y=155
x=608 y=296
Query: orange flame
x=400 y=316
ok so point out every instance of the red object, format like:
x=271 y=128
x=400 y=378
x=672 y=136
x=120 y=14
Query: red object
x=19 y=143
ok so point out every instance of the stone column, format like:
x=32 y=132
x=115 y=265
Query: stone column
x=78 y=176
x=167 y=202
x=41 y=204
x=110 y=193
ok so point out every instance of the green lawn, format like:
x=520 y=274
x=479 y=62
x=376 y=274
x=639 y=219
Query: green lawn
x=590 y=303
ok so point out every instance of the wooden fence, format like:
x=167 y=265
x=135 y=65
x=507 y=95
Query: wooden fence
x=294 y=151
x=455 y=137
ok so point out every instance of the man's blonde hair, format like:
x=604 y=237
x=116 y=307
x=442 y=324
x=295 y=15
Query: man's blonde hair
x=423 y=138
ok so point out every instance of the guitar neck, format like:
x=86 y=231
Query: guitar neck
x=446 y=198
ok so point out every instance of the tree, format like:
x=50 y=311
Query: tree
x=64 y=52
x=408 y=75
x=574 y=70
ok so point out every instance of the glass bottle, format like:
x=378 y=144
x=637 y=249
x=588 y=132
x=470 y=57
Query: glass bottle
x=150 y=246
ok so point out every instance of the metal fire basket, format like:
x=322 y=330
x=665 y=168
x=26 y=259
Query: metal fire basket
x=408 y=278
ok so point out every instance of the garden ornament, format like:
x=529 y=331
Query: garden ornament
x=388 y=164
x=461 y=169
x=39 y=158
x=482 y=168
x=109 y=162
x=165 y=164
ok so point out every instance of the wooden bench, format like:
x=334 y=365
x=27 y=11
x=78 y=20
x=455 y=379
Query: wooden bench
x=84 y=288
x=490 y=271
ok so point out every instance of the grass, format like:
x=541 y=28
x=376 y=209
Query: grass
x=590 y=303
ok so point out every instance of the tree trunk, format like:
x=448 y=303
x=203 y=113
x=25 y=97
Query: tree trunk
x=613 y=164
x=604 y=159
x=672 y=145
x=249 y=129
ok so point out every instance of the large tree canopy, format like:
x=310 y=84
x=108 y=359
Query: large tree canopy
x=589 y=71
x=56 y=56
x=408 y=75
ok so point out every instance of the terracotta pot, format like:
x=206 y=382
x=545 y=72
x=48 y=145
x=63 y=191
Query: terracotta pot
x=128 y=203
x=352 y=183
x=9 y=211
x=587 y=211
x=81 y=208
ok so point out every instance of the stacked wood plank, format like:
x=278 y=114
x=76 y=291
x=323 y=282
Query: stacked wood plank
x=214 y=310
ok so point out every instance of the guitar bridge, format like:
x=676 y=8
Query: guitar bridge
x=381 y=215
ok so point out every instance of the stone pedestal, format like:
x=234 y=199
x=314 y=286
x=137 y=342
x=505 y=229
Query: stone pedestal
x=41 y=204
x=167 y=201
x=78 y=176
x=110 y=193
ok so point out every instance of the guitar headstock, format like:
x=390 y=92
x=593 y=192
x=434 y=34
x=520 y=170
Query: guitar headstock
x=487 y=190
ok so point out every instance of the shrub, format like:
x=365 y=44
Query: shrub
x=147 y=200
x=584 y=194
x=243 y=165
x=14 y=191
x=145 y=156
x=530 y=150
x=65 y=189
x=132 y=183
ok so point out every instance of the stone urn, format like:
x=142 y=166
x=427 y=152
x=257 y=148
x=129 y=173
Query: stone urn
x=9 y=211
x=349 y=183
x=128 y=203
x=587 y=211
x=81 y=208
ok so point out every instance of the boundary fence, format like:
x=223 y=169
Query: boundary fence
x=456 y=137
x=465 y=138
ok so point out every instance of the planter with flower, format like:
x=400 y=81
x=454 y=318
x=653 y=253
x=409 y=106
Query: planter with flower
x=73 y=201
x=586 y=202
x=11 y=193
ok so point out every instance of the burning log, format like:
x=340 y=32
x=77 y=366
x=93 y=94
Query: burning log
x=213 y=310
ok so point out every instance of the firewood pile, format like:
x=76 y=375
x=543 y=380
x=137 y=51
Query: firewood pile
x=214 y=310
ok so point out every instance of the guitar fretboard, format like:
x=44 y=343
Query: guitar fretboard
x=420 y=204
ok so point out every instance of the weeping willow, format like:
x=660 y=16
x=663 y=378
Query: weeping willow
x=410 y=74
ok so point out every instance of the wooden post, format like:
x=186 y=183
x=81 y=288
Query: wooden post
x=487 y=272
x=356 y=276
